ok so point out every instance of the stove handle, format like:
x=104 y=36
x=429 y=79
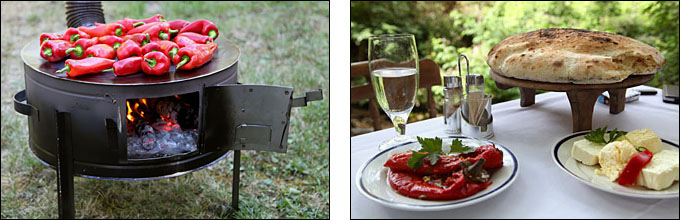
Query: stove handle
x=23 y=108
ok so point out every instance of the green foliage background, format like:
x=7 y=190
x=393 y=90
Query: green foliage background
x=444 y=30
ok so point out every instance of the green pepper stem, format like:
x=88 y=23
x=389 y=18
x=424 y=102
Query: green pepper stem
x=47 y=52
x=185 y=59
x=138 y=23
x=66 y=68
x=172 y=52
x=116 y=45
x=162 y=35
x=119 y=31
x=172 y=31
x=44 y=39
x=151 y=62
x=147 y=40
x=90 y=55
x=108 y=70
x=75 y=37
x=212 y=34
x=162 y=19
x=78 y=50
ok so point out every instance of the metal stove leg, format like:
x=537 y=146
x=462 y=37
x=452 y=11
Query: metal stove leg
x=65 y=166
x=235 y=180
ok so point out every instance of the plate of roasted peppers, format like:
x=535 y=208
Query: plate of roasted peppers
x=437 y=173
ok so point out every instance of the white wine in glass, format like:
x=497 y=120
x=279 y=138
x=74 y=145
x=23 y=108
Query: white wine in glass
x=393 y=62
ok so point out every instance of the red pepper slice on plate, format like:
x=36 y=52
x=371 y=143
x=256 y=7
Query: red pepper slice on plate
x=634 y=166
x=104 y=29
x=50 y=36
x=446 y=164
x=194 y=55
x=203 y=27
x=168 y=48
x=73 y=34
x=101 y=50
x=54 y=50
x=78 y=49
x=413 y=185
x=178 y=24
x=126 y=66
x=127 y=49
x=88 y=65
x=198 y=38
x=150 y=47
x=183 y=41
x=155 y=63
x=139 y=38
x=111 y=40
x=159 y=31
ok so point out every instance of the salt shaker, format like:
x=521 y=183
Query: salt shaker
x=453 y=91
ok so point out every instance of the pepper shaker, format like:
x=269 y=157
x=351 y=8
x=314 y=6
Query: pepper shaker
x=453 y=91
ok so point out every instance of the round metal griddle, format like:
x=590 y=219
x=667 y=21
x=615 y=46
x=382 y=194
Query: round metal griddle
x=226 y=55
x=582 y=97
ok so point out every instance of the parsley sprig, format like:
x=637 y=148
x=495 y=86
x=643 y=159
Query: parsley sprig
x=598 y=135
x=431 y=148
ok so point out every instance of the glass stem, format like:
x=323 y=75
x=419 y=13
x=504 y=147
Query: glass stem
x=399 y=125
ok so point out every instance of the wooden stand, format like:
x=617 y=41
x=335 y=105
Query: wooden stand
x=582 y=97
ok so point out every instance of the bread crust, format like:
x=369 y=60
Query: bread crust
x=566 y=55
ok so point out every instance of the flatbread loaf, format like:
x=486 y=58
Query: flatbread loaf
x=565 y=55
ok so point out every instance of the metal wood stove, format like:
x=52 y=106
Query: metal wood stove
x=90 y=126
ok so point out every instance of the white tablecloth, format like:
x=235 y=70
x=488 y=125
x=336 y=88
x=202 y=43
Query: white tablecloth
x=542 y=189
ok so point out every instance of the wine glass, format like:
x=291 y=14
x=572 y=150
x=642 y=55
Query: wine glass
x=393 y=62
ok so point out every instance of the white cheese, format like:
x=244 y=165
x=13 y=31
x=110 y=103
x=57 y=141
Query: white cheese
x=645 y=138
x=661 y=172
x=613 y=158
x=586 y=151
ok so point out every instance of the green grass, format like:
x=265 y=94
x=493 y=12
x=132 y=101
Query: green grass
x=281 y=43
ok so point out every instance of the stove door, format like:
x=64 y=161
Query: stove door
x=249 y=117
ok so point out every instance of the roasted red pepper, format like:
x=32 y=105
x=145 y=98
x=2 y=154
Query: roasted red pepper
x=54 y=50
x=203 y=27
x=168 y=48
x=194 y=55
x=104 y=29
x=50 y=36
x=155 y=63
x=127 y=49
x=78 y=49
x=111 y=40
x=159 y=31
x=634 y=166
x=413 y=185
x=150 y=47
x=198 y=38
x=126 y=66
x=139 y=38
x=73 y=34
x=447 y=164
x=183 y=41
x=101 y=50
x=178 y=24
x=88 y=65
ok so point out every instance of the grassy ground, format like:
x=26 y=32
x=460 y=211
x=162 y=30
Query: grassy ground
x=281 y=44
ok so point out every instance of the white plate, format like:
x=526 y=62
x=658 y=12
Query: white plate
x=562 y=156
x=372 y=179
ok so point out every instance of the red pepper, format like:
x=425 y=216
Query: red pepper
x=447 y=164
x=128 y=23
x=168 y=48
x=155 y=18
x=101 y=50
x=198 y=38
x=139 y=38
x=54 y=50
x=194 y=55
x=73 y=34
x=127 y=49
x=183 y=41
x=178 y=24
x=634 y=166
x=413 y=185
x=50 y=36
x=153 y=46
x=111 y=40
x=78 y=49
x=203 y=27
x=104 y=29
x=142 y=28
x=88 y=65
x=126 y=66
x=155 y=63
x=159 y=31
